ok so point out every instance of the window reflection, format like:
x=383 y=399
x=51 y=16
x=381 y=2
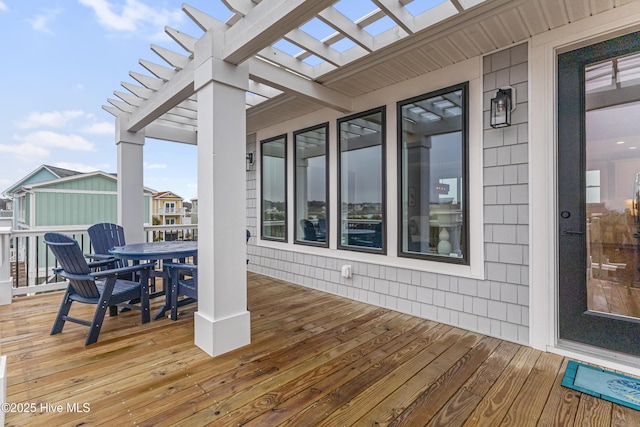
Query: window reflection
x=612 y=148
x=433 y=175
x=361 y=181
x=311 y=185
x=274 y=188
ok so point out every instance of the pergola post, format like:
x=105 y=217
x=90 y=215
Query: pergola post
x=130 y=182
x=222 y=322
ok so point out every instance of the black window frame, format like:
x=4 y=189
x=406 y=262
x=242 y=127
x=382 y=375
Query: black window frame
x=383 y=166
x=324 y=244
x=286 y=206
x=465 y=259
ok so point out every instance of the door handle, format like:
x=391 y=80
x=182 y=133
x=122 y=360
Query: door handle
x=571 y=232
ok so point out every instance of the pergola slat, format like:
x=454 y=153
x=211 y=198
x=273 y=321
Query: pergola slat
x=139 y=91
x=394 y=10
x=174 y=59
x=187 y=42
x=332 y=17
x=265 y=24
x=157 y=70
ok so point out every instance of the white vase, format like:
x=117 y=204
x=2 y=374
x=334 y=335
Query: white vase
x=444 y=246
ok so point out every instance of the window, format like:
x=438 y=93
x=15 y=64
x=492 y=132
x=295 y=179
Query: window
x=433 y=175
x=361 y=181
x=170 y=221
x=22 y=207
x=169 y=207
x=311 y=184
x=273 y=168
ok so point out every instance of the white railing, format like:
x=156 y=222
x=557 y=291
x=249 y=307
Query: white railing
x=172 y=211
x=30 y=271
x=171 y=232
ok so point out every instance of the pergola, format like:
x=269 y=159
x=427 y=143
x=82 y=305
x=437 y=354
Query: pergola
x=233 y=80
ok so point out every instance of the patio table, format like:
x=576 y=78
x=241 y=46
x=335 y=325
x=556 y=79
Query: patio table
x=154 y=251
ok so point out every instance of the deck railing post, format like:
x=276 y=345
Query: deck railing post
x=6 y=281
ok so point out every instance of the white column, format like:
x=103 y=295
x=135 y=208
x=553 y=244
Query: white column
x=130 y=182
x=6 y=281
x=222 y=322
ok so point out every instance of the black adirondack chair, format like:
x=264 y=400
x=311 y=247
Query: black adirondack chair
x=102 y=288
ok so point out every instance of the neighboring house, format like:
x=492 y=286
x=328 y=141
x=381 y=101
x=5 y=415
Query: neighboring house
x=6 y=208
x=51 y=197
x=169 y=209
x=383 y=173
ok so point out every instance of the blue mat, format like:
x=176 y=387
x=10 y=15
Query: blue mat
x=607 y=385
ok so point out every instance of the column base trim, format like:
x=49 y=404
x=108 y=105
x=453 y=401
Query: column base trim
x=216 y=337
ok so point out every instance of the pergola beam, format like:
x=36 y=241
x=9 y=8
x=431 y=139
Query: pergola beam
x=173 y=133
x=279 y=78
x=271 y=54
x=263 y=90
x=265 y=24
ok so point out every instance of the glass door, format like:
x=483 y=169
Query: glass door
x=598 y=177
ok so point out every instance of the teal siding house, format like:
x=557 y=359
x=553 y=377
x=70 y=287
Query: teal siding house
x=51 y=197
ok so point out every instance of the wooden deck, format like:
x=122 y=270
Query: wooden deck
x=315 y=359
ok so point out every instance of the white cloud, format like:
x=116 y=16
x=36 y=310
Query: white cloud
x=133 y=16
x=25 y=151
x=41 y=21
x=154 y=166
x=55 y=119
x=48 y=139
x=79 y=167
x=3 y=6
x=99 y=128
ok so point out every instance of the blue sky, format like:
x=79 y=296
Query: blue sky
x=62 y=60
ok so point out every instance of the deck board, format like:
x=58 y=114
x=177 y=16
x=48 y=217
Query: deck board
x=315 y=359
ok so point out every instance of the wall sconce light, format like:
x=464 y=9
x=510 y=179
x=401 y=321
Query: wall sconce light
x=249 y=160
x=501 y=107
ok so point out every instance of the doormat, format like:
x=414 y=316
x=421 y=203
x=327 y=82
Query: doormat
x=617 y=388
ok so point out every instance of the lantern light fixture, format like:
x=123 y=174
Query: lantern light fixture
x=501 y=107
x=250 y=160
